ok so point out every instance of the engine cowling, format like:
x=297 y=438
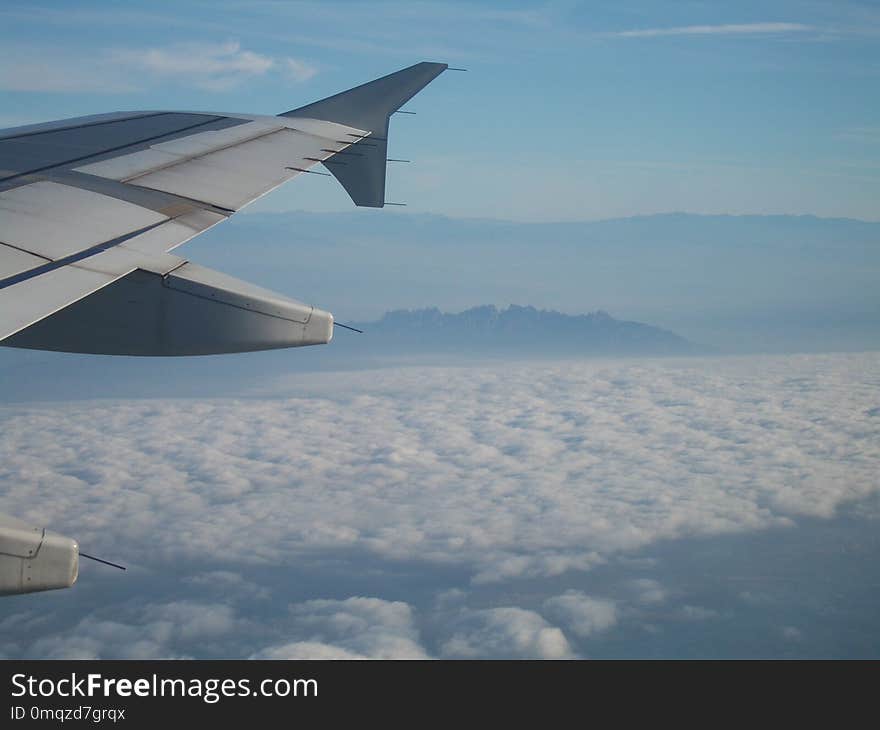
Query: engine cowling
x=189 y=311
x=34 y=559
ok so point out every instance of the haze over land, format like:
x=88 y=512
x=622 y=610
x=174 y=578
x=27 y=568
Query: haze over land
x=737 y=283
x=724 y=283
x=515 y=332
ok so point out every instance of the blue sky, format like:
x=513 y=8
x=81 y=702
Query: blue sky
x=569 y=111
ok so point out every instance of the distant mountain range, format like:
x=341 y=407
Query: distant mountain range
x=517 y=330
x=421 y=336
x=740 y=283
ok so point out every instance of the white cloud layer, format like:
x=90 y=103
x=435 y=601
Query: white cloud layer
x=581 y=614
x=508 y=472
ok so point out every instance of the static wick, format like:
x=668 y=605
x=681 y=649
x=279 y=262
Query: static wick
x=326 y=161
x=387 y=202
x=450 y=68
x=401 y=111
x=393 y=159
x=346 y=327
x=311 y=172
x=341 y=152
x=101 y=560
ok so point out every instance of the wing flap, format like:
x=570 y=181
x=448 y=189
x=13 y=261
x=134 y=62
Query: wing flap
x=229 y=168
x=53 y=220
x=175 y=232
x=14 y=261
x=54 y=145
x=36 y=293
x=234 y=176
x=26 y=302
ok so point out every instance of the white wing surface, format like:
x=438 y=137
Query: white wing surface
x=94 y=204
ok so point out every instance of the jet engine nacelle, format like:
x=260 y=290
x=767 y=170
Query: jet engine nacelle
x=189 y=311
x=34 y=559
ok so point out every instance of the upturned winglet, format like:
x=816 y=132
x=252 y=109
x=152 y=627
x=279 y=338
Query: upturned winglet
x=368 y=107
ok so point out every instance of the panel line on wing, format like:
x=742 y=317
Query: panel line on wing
x=24 y=250
x=184 y=158
x=107 y=151
x=74 y=257
x=160 y=201
x=115 y=120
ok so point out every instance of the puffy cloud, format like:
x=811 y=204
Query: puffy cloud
x=309 y=650
x=470 y=478
x=354 y=628
x=517 y=471
x=505 y=633
x=648 y=590
x=582 y=615
x=227 y=583
x=150 y=631
x=698 y=613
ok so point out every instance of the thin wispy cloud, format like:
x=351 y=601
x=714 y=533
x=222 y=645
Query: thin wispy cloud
x=724 y=29
x=299 y=70
x=213 y=66
x=208 y=66
x=45 y=71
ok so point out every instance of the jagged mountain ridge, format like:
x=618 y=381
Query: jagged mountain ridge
x=523 y=329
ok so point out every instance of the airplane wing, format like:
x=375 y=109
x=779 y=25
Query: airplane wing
x=90 y=209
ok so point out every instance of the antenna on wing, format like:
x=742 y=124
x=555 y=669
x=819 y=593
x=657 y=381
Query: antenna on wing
x=101 y=560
